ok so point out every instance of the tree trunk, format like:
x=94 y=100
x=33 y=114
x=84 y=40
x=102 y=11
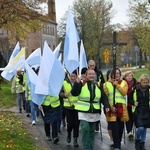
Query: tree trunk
x=140 y=58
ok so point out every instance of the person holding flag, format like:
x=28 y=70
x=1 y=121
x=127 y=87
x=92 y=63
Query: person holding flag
x=118 y=113
x=51 y=112
x=99 y=78
x=69 y=105
x=47 y=87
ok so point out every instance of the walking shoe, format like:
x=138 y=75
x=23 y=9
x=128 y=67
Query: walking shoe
x=33 y=122
x=76 y=143
x=69 y=137
x=56 y=140
x=138 y=145
x=48 y=138
x=142 y=146
x=28 y=115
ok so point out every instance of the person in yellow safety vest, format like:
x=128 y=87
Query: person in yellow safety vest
x=99 y=78
x=28 y=98
x=51 y=112
x=141 y=110
x=90 y=97
x=118 y=112
x=27 y=105
x=18 y=86
x=69 y=105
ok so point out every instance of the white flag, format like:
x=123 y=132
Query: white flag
x=51 y=74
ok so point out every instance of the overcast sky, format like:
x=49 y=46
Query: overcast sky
x=120 y=6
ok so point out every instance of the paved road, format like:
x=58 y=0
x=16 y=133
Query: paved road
x=101 y=142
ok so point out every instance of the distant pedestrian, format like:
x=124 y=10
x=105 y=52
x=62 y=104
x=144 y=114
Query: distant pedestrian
x=18 y=87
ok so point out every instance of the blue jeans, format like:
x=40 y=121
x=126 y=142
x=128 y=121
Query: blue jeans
x=141 y=134
x=34 y=110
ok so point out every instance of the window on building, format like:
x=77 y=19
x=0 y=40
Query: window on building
x=51 y=30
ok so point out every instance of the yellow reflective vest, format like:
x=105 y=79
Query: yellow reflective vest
x=52 y=101
x=18 y=87
x=84 y=104
x=24 y=81
x=118 y=99
x=29 y=93
x=118 y=96
x=71 y=100
x=135 y=99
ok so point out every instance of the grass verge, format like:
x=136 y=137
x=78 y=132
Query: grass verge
x=14 y=135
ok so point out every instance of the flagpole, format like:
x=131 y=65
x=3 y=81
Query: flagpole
x=42 y=112
x=114 y=63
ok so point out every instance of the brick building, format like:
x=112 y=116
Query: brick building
x=48 y=33
x=35 y=39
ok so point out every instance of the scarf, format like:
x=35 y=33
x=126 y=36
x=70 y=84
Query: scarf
x=130 y=85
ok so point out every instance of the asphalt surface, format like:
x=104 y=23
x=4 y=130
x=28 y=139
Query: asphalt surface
x=102 y=140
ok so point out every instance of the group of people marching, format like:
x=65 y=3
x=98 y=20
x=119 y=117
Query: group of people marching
x=125 y=101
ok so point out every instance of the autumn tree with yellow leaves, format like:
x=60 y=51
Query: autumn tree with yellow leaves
x=19 y=17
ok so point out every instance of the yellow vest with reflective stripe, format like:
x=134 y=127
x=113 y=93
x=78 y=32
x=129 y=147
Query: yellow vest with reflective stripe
x=17 y=82
x=24 y=81
x=51 y=100
x=135 y=99
x=19 y=87
x=84 y=104
x=71 y=100
x=29 y=93
x=118 y=97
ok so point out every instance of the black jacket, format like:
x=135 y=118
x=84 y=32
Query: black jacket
x=142 y=112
